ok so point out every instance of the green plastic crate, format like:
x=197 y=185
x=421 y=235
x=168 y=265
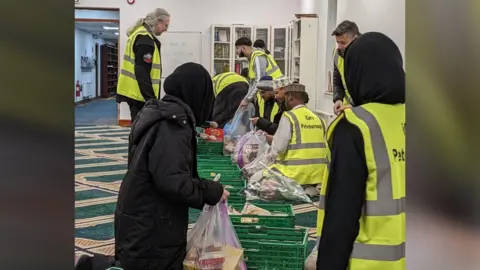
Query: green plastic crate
x=287 y=220
x=209 y=148
x=235 y=188
x=227 y=174
x=273 y=248
x=215 y=165
x=214 y=157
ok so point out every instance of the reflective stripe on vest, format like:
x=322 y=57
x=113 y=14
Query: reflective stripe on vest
x=272 y=68
x=305 y=158
x=222 y=80
x=339 y=63
x=127 y=82
x=380 y=243
x=261 y=108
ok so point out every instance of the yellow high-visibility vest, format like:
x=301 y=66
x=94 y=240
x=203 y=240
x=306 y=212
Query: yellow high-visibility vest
x=261 y=108
x=127 y=83
x=380 y=243
x=272 y=69
x=222 y=80
x=339 y=63
x=305 y=158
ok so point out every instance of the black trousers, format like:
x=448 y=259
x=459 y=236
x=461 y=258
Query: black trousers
x=135 y=107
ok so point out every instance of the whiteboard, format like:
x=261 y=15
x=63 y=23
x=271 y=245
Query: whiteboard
x=179 y=48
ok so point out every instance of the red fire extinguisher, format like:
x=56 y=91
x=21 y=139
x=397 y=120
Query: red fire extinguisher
x=78 y=89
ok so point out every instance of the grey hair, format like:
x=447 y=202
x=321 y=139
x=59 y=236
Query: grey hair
x=151 y=20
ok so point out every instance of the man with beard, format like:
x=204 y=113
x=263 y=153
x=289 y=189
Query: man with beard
x=269 y=110
x=299 y=145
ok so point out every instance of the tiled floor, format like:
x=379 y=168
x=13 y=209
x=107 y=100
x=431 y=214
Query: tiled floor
x=100 y=164
x=97 y=112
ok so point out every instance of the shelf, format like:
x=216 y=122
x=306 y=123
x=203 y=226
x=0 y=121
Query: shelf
x=109 y=70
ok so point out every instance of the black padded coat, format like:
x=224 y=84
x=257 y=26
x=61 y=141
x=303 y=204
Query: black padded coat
x=161 y=183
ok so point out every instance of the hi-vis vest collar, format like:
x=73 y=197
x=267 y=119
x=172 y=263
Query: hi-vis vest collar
x=339 y=63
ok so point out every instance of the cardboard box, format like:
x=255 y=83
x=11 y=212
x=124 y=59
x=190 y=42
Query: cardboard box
x=232 y=258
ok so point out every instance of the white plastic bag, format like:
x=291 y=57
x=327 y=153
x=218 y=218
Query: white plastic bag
x=237 y=127
x=210 y=239
x=249 y=147
x=263 y=159
x=274 y=186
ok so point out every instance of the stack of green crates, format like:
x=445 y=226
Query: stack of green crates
x=210 y=162
x=273 y=248
x=284 y=219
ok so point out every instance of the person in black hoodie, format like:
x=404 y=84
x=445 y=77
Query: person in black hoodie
x=374 y=74
x=162 y=182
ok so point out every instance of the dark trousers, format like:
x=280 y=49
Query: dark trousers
x=135 y=107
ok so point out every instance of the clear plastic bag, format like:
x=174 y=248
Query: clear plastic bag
x=249 y=147
x=263 y=159
x=274 y=186
x=212 y=243
x=237 y=127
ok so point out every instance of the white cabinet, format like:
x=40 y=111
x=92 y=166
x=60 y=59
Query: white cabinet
x=263 y=33
x=240 y=31
x=304 y=55
x=279 y=47
x=222 y=44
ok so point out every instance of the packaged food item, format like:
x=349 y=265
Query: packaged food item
x=214 y=134
x=229 y=143
x=233 y=211
x=250 y=209
x=211 y=257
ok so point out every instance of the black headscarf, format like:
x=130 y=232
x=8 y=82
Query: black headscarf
x=192 y=84
x=374 y=70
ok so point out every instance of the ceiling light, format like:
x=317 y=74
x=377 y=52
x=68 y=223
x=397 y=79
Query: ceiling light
x=116 y=33
x=110 y=28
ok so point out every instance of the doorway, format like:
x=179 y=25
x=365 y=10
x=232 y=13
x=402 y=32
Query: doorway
x=96 y=65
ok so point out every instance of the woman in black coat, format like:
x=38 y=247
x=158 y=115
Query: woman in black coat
x=162 y=182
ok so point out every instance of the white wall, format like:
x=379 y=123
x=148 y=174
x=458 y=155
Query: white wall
x=386 y=16
x=85 y=46
x=195 y=15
